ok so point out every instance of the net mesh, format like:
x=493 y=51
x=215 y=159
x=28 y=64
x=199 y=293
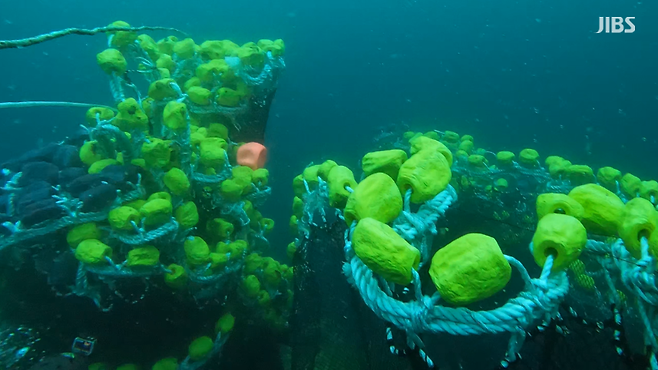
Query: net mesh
x=331 y=327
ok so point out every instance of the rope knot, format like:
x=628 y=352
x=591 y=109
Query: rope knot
x=418 y=321
x=643 y=263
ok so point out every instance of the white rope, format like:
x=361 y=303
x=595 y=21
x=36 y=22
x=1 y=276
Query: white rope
x=423 y=315
x=33 y=104
x=419 y=228
x=638 y=276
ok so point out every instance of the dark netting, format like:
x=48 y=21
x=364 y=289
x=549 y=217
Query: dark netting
x=122 y=246
x=331 y=328
x=585 y=335
x=255 y=119
x=575 y=343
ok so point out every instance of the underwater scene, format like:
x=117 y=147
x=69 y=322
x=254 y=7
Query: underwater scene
x=358 y=185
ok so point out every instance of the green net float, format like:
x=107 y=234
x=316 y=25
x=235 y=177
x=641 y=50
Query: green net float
x=432 y=135
x=339 y=178
x=131 y=116
x=177 y=182
x=220 y=228
x=325 y=168
x=251 y=286
x=630 y=185
x=174 y=116
x=112 y=62
x=426 y=173
x=243 y=176
x=237 y=249
x=377 y=197
x=561 y=236
x=529 y=158
x=89 y=153
x=103 y=113
x=218 y=49
x=123 y=218
x=579 y=174
x=218 y=260
x=501 y=185
x=260 y=177
x=384 y=161
x=185 y=49
x=384 y=251
x=407 y=135
x=200 y=348
x=169 y=363
x=267 y=225
x=176 y=277
x=291 y=249
x=136 y=204
x=272 y=275
x=166 y=45
x=156 y=212
x=225 y=323
x=196 y=251
x=276 y=47
x=298 y=186
x=263 y=298
x=98 y=166
x=149 y=46
x=293 y=225
x=93 y=252
x=251 y=55
x=212 y=153
x=159 y=195
x=602 y=209
x=558 y=169
x=638 y=220
x=649 y=190
x=190 y=83
x=228 y=97
x=548 y=203
x=551 y=159
x=162 y=89
x=252 y=263
x=609 y=177
x=156 y=153
x=450 y=137
x=423 y=143
x=469 y=269
x=218 y=130
x=122 y=39
x=297 y=207
x=207 y=72
x=82 y=232
x=143 y=256
x=477 y=161
x=310 y=175
x=466 y=146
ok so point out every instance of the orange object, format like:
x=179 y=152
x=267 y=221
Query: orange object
x=252 y=155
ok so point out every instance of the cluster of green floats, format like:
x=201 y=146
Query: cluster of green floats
x=473 y=267
x=215 y=79
x=195 y=218
x=191 y=179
